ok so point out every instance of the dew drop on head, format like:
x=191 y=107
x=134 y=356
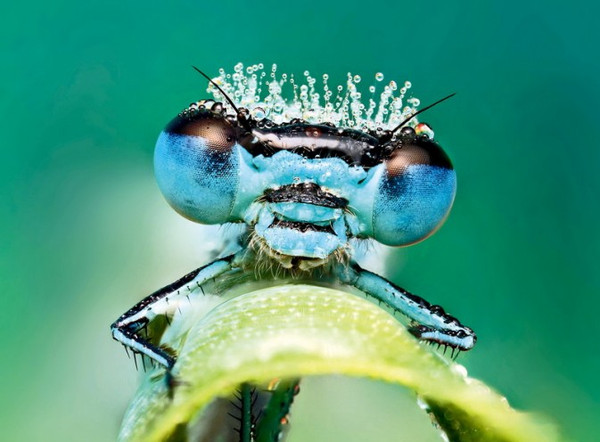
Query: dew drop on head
x=286 y=98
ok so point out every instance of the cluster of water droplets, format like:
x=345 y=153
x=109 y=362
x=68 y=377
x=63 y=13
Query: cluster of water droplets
x=282 y=98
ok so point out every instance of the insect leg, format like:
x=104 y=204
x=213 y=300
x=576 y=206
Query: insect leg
x=430 y=322
x=162 y=302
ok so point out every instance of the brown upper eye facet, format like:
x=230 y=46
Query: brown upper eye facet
x=218 y=133
x=420 y=151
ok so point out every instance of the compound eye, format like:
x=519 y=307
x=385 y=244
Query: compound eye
x=415 y=193
x=196 y=165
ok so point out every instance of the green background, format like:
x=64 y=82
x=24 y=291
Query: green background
x=87 y=86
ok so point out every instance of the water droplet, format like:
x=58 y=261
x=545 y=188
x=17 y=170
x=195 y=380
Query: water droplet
x=423 y=129
x=258 y=113
x=407 y=131
x=414 y=102
x=460 y=370
x=277 y=103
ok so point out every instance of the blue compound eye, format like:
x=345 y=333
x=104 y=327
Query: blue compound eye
x=196 y=165
x=415 y=193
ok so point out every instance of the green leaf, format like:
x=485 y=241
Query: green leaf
x=301 y=330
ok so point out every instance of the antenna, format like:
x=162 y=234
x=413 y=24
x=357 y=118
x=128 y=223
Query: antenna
x=219 y=88
x=421 y=111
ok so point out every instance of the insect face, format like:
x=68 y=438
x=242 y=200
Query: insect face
x=303 y=189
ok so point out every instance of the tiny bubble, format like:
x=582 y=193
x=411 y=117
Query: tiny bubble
x=258 y=113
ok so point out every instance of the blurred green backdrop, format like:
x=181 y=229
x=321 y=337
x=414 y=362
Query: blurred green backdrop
x=87 y=86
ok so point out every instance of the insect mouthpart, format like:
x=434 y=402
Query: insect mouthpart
x=303 y=240
x=302 y=220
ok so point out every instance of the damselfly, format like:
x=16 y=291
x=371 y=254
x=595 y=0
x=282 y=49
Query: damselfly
x=309 y=178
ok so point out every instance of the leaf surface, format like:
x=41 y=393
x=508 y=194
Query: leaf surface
x=301 y=330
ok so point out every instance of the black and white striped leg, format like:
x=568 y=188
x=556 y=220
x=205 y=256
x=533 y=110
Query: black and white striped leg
x=429 y=322
x=164 y=302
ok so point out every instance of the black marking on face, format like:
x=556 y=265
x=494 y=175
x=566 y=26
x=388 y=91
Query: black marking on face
x=315 y=141
x=301 y=227
x=309 y=193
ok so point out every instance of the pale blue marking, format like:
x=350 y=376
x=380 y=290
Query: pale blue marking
x=309 y=244
x=464 y=343
x=265 y=219
x=339 y=227
x=303 y=212
x=256 y=174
